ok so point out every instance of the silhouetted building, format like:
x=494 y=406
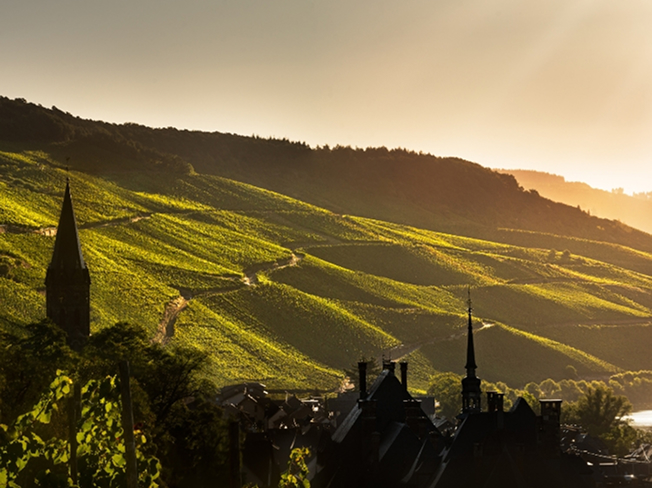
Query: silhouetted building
x=388 y=441
x=514 y=448
x=501 y=449
x=385 y=441
x=67 y=282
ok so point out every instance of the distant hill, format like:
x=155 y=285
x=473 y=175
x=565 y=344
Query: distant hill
x=635 y=211
x=286 y=264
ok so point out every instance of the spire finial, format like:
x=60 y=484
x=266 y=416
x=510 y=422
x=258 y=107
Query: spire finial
x=470 y=308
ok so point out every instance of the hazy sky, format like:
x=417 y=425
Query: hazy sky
x=563 y=86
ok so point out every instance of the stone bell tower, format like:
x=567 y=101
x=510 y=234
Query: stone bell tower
x=67 y=282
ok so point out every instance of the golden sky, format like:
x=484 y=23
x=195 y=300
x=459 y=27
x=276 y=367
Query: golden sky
x=563 y=86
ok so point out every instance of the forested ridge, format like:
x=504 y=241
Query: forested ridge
x=446 y=194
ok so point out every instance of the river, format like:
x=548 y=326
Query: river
x=642 y=418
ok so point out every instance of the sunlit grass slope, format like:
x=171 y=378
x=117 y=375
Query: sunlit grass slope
x=283 y=292
x=518 y=355
x=627 y=345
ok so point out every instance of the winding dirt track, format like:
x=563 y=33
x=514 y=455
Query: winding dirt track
x=251 y=273
x=165 y=330
x=396 y=353
x=166 y=327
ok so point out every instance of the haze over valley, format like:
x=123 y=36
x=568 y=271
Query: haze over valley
x=634 y=210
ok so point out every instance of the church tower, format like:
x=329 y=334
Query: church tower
x=471 y=392
x=67 y=282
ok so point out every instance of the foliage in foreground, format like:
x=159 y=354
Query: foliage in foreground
x=296 y=475
x=170 y=398
x=28 y=456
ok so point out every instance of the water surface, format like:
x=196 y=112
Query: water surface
x=642 y=418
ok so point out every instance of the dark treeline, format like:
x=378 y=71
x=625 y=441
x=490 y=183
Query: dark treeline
x=446 y=194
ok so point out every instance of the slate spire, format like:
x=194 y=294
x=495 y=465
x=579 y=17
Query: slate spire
x=67 y=248
x=470 y=350
x=67 y=281
x=471 y=392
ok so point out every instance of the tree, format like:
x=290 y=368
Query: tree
x=603 y=414
x=549 y=388
x=28 y=363
x=565 y=256
x=171 y=400
x=199 y=455
x=571 y=372
x=165 y=376
x=447 y=390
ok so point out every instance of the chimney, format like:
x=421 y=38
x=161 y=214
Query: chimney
x=551 y=410
x=362 y=379
x=389 y=365
x=491 y=401
x=495 y=401
x=549 y=432
x=404 y=365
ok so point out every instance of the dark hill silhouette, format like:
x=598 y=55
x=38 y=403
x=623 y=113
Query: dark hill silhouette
x=446 y=194
x=634 y=210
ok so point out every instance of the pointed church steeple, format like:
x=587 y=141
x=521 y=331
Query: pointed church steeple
x=67 y=248
x=471 y=391
x=67 y=281
x=470 y=350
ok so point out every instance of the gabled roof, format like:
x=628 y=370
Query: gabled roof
x=389 y=394
x=398 y=449
x=67 y=249
x=388 y=422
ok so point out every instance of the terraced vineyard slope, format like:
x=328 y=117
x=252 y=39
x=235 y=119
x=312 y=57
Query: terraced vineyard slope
x=284 y=292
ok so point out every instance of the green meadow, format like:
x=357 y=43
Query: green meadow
x=284 y=292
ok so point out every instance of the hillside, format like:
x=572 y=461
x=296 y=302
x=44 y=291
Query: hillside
x=443 y=194
x=282 y=291
x=635 y=211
